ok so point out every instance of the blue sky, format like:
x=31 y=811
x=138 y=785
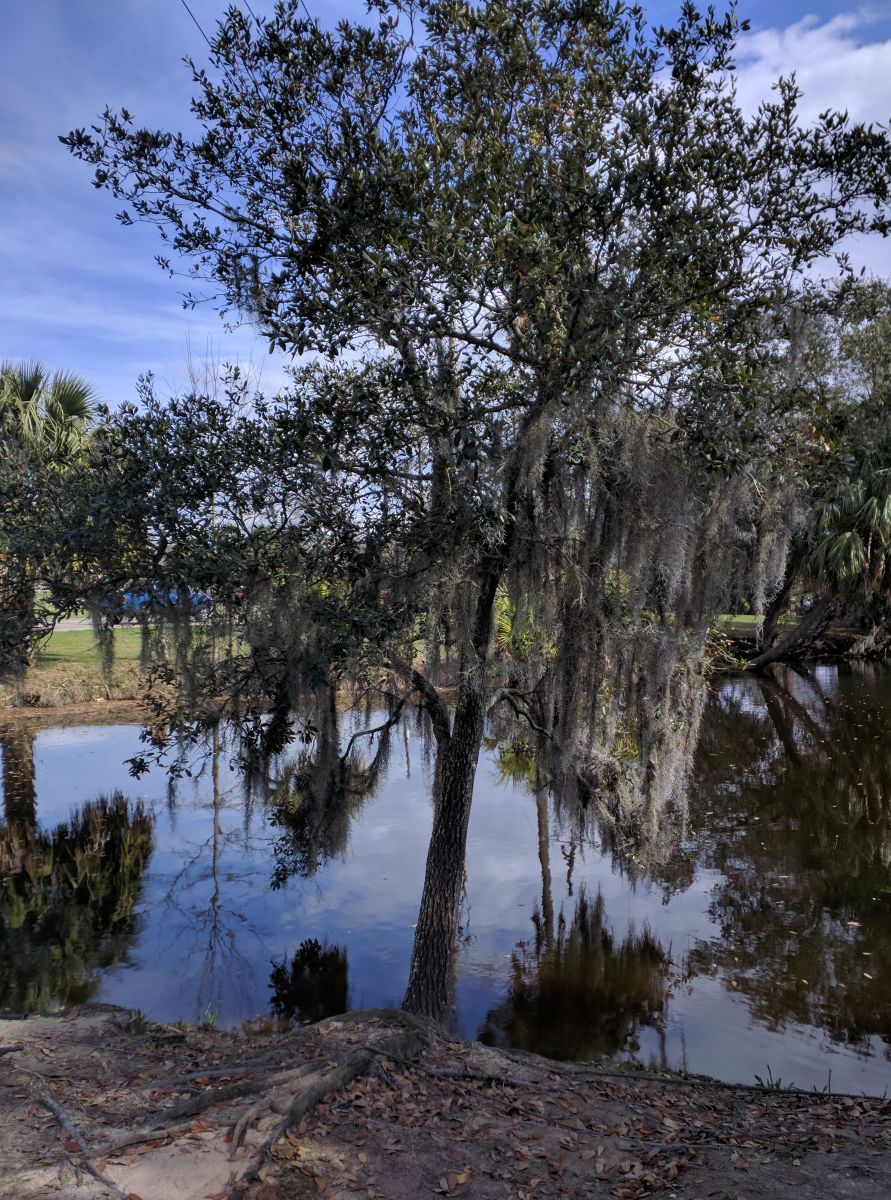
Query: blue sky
x=80 y=292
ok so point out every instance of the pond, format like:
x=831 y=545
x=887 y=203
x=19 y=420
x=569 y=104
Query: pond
x=755 y=943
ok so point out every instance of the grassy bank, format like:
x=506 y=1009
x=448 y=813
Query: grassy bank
x=68 y=670
x=743 y=625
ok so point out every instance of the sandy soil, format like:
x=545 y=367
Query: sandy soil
x=93 y=1104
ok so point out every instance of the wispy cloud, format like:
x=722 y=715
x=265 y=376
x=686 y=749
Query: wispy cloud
x=80 y=292
x=835 y=63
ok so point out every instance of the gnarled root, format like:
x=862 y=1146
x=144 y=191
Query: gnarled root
x=405 y=1047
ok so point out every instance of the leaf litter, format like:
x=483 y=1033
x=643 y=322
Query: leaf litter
x=458 y=1120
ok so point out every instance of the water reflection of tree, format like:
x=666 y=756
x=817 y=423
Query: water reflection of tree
x=579 y=993
x=574 y=992
x=803 y=784
x=644 y=837
x=214 y=926
x=313 y=985
x=67 y=899
x=19 y=789
x=315 y=796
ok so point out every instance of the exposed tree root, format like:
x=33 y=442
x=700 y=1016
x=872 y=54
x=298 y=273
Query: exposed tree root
x=292 y=1093
x=213 y=1096
x=136 y=1137
x=374 y=1106
x=84 y=1160
x=404 y=1047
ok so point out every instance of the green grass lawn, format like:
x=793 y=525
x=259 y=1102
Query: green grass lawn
x=79 y=646
x=743 y=624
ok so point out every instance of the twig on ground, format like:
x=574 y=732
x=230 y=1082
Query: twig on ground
x=68 y=1127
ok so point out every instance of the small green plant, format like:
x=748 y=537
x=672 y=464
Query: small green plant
x=139 y=1022
x=773 y=1085
x=209 y=1017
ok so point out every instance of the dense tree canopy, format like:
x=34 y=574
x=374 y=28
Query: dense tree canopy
x=537 y=255
x=838 y=504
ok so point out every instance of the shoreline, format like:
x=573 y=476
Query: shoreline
x=65 y=697
x=380 y=1105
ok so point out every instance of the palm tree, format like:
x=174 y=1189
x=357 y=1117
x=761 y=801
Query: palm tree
x=47 y=413
x=44 y=425
x=844 y=556
x=852 y=539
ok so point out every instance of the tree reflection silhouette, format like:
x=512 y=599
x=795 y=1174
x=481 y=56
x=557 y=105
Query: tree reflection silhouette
x=803 y=844
x=67 y=900
x=575 y=992
x=580 y=994
x=313 y=985
x=19 y=785
x=316 y=796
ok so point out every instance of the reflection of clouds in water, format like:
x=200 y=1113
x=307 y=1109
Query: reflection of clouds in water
x=366 y=900
x=78 y=735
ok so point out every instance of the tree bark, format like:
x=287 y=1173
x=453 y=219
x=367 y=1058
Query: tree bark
x=429 y=987
x=775 y=609
x=429 y=983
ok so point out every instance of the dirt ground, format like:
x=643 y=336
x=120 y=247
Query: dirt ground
x=96 y=1104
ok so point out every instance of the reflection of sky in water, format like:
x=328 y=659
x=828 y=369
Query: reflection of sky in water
x=205 y=944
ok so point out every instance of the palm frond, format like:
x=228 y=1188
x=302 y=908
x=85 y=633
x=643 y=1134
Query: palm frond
x=72 y=397
x=51 y=413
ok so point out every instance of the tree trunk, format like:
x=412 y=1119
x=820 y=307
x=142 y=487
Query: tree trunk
x=430 y=975
x=774 y=610
x=544 y=858
x=801 y=638
x=429 y=982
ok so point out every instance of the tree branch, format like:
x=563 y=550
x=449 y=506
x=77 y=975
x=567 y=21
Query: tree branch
x=388 y=724
x=430 y=697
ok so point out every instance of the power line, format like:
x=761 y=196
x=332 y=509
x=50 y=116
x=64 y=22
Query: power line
x=197 y=23
x=198 y=26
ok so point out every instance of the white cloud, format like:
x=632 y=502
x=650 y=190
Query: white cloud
x=80 y=292
x=836 y=67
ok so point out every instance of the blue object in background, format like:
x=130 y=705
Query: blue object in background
x=130 y=606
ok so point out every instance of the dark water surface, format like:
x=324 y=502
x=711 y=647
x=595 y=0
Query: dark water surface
x=760 y=942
